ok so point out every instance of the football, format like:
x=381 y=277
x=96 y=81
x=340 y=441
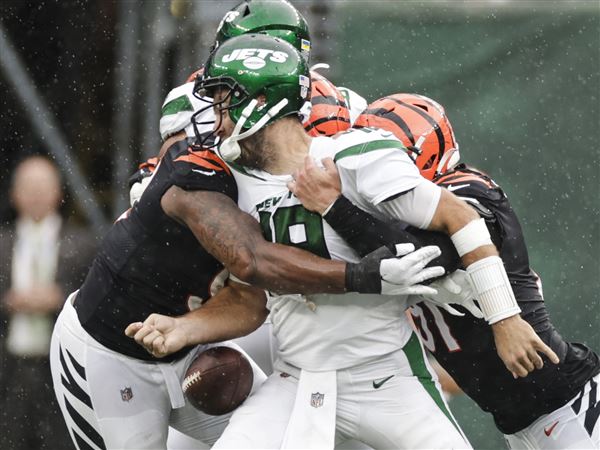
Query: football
x=218 y=380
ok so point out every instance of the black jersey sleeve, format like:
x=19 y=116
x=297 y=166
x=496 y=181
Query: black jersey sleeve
x=199 y=169
x=493 y=205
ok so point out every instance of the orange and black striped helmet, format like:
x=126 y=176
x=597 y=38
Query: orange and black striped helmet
x=422 y=126
x=329 y=114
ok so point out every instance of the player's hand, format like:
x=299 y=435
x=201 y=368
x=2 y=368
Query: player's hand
x=139 y=181
x=383 y=272
x=455 y=288
x=159 y=335
x=316 y=187
x=518 y=346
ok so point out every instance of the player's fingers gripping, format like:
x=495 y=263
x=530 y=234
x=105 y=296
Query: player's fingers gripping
x=406 y=269
x=401 y=289
x=292 y=187
x=158 y=347
x=451 y=286
x=149 y=339
x=404 y=249
x=535 y=358
x=427 y=273
x=518 y=370
x=527 y=362
x=144 y=331
x=419 y=289
x=330 y=166
x=420 y=258
x=542 y=347
x=133 y=328
x=470 y=305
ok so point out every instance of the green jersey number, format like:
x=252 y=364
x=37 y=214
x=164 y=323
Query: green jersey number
x=296 y=226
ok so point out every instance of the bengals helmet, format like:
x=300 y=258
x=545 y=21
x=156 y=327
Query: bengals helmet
x=422 y=126
x=329 y=113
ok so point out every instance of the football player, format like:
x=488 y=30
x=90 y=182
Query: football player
x=352 y=339
x=557 y=404
x=171 y=247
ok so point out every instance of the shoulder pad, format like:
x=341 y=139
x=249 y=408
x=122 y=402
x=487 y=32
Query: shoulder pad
x=470 y=183
x=201 y=170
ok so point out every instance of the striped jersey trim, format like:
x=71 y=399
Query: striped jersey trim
x=368 y=147
x=177 y=105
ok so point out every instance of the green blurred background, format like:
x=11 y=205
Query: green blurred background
x=521 y=88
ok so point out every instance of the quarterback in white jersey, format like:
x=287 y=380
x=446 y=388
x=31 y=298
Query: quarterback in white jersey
x=330 y=343
x=330 y=332
x=333 y=347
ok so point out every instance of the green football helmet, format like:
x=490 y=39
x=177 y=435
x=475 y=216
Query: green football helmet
x=277 y=18
x=246 y=67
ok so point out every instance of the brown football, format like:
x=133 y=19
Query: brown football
x=218 y=380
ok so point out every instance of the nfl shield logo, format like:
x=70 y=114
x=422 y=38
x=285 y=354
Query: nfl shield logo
x=126 y=394
x=316 y=400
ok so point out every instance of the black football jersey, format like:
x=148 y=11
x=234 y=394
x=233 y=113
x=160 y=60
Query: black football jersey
x=148 y=262
x=465 y=346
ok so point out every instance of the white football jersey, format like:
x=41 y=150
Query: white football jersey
x=343 y=330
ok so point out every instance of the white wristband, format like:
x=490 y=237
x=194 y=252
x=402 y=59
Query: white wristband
x=473 y=235
x=492 y=289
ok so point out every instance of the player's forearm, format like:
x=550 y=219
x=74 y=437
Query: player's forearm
x=285 y=269
x=234 y=238
x=228 y=315
x=473 y=243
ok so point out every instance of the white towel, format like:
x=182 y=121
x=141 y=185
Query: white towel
x=312 y=423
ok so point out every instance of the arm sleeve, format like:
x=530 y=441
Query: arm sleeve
x=365 y=233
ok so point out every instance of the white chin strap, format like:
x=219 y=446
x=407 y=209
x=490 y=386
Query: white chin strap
x=320 y=66
x=449 y=159
x=230 y=148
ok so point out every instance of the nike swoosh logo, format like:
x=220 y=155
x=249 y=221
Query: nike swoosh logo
x=548 y=431
x=204 y=172
x=456 y=188
x=378 y=383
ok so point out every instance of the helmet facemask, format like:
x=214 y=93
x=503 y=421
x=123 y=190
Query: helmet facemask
x=229 y=149
x=205 y=90
x=258 y=79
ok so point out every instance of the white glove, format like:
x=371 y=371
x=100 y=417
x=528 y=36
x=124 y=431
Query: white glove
x=401 y=276
x=455 y=288
x=136 y=191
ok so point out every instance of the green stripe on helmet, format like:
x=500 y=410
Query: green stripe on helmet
x=176 y=105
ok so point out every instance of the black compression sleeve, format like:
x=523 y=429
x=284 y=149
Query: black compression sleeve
x=365 y=233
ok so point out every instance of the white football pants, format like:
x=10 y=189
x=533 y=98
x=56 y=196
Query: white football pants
x=572 y=426
x=394 y=402
x=113 y=401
